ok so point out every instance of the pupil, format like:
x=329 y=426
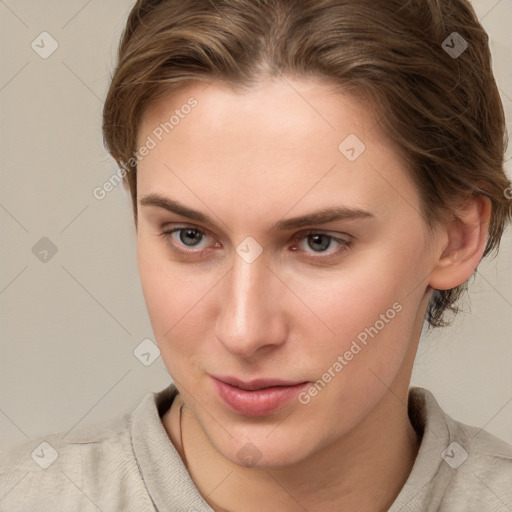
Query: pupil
x=319 y=242
x=190 y=236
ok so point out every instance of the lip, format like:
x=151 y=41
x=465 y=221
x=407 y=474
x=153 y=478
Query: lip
x=257 y=397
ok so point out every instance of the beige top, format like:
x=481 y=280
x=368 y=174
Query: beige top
x=130 y=464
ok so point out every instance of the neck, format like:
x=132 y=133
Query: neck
x=364 y=470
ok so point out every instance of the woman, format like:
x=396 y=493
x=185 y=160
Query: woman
x=311 y=180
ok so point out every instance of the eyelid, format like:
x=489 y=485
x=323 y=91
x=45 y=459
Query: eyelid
x=169 y=226
x=335 y=235
x=168 y=230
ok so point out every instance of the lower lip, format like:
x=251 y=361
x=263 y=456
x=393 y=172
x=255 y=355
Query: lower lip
x=258 y=402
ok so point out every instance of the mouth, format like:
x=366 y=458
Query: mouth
x=258 y=397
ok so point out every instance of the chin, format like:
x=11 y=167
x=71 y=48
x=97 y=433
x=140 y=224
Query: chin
x=262 y=451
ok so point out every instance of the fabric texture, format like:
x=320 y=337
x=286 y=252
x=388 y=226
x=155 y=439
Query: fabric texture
x=130 y=464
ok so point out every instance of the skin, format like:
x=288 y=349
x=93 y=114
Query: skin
x=247 y=161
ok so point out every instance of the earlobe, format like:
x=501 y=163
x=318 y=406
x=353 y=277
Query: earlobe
x=466 y=236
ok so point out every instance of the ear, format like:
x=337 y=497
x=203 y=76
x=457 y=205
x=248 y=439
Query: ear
x=464 y=239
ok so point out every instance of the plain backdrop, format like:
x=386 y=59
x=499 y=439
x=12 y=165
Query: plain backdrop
x=70 y=324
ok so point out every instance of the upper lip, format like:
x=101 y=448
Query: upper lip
x=256 y=383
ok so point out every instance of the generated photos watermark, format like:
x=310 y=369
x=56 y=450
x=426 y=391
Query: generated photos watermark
x=356 y=347
x=149 y=144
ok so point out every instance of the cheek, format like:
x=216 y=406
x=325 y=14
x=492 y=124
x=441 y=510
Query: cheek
x=347 y=299
x=368 y=314
x=373 y=326
x=175 y=297
x=367 y=330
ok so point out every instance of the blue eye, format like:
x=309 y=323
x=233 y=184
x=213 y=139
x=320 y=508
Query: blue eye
x=320 y=243
x=190 y=237
x=185 y=237
x=193 y=242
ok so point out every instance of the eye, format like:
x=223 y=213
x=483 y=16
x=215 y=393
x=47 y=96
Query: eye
x=187 y=239
x=319 y=242
x=322 y=244
x=193 y=241
x=190 y=237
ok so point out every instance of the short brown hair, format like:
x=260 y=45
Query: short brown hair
x=443 y=110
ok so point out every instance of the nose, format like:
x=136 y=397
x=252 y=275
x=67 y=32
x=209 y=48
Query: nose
x=251 y=314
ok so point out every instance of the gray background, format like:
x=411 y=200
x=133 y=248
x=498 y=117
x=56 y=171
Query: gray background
x=70 y=325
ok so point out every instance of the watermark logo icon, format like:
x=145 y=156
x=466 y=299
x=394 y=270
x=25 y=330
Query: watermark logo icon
x=44 y=250
x=146 y=352
x=44 y=455
x=249 y=250
x=351 y=147
x=249 y=455
x=454 y=455
x=454 y=45
x=44 y=45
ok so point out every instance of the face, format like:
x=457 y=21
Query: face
x=279 y=238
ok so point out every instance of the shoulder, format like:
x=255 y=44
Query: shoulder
x=44 y=452
x=73 y=470
x=480 y=465
x=459 y=466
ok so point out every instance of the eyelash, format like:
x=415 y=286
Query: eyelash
x=344 y=243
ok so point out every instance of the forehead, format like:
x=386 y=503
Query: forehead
x=276 y=106
x=287 y=143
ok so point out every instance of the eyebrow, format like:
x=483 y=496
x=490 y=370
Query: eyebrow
x=318 y=217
